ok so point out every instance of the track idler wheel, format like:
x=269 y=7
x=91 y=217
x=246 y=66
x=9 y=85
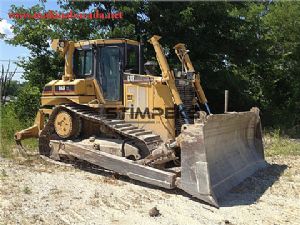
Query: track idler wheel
x=67 y=125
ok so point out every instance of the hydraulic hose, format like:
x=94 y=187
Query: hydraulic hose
x=207 y=108
x=184 y=114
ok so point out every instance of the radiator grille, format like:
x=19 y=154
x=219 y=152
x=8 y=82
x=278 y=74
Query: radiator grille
x=187 y=94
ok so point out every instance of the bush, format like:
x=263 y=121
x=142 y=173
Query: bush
x=9 y=125
x=16 y=116
x=27 y=103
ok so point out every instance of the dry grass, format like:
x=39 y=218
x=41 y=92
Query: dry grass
x=275 y=144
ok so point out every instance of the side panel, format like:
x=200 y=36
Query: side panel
x=157 y=99
x=57 y=100
x=80 y=91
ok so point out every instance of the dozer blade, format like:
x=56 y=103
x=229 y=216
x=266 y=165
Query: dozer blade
x=220 y=152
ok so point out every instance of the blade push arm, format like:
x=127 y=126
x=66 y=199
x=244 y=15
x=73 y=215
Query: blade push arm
x=183 y=56
x=168 y=76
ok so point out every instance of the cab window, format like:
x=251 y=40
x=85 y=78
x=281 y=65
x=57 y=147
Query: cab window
x=132 y=58
x=83 y=62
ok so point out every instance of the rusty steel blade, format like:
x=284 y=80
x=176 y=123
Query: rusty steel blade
x=219 y=153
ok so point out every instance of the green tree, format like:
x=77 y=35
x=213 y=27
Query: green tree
x=276 y=67
x=250 y=48
x=43 y=64
x=221 y=42
x=283 y=28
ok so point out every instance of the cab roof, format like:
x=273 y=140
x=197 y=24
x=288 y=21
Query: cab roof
x=105 y=42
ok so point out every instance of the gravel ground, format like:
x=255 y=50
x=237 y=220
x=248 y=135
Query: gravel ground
x=37 y=192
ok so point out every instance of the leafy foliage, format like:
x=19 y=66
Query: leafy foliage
x=27 y=103
x=9 y=124
x=14 y=88
x=250 y=48
x=16 y=116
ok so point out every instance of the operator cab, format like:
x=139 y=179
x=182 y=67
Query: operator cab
x=107 y=60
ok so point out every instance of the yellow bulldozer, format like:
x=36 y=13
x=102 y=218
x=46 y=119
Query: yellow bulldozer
x=108 y=111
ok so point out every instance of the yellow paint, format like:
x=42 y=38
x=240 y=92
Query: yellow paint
x=150 y=92
x=63 y=124
x=66 y=49
x=183 y=56
x=155 y=95
x=85 y=91
x=57 y=100
x=167 y=74
x=80 y=44
x=98 y=92
x=69 y=62
x=38 y=126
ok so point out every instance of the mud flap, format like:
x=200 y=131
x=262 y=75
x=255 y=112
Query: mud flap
x=219 y=152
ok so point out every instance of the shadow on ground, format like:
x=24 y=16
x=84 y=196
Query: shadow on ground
x=246 y=193
x=251 y=189
x=86 y=166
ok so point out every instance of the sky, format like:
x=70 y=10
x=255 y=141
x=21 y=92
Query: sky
x=9 y=52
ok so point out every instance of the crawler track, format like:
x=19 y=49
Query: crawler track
x=143 y=139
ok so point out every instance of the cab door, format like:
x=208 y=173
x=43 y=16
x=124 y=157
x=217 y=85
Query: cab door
x=110 y=72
